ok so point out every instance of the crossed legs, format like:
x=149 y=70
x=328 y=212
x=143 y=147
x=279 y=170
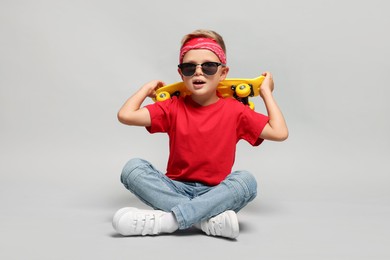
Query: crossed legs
x=190 y=203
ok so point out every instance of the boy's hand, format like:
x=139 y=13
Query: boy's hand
x=151 y=87
x=268 y=84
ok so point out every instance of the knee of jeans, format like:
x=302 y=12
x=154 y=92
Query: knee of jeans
x=129 y=170
x=246 y=183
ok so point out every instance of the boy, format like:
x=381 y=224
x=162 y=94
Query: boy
x=198 y=188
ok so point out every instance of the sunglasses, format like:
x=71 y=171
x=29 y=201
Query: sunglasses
x=208 y=68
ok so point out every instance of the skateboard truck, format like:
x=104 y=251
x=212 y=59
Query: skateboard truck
x=242 y=92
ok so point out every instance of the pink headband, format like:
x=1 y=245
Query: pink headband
x=203 y=43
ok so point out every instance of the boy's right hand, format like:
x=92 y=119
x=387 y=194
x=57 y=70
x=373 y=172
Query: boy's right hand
x=151 y=87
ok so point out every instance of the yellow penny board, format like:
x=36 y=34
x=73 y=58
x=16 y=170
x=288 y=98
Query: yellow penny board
x=238 y=88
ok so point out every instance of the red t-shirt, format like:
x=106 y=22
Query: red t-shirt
x=202 y=139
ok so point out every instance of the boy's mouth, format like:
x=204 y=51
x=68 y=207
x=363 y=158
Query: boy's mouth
x=198 y=83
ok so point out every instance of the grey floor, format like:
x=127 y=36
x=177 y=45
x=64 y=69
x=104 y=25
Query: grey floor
x=67 y=66
x=59 y=206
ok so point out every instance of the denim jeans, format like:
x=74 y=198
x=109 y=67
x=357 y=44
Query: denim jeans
x=191 y=202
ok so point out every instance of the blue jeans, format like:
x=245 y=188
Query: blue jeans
x=191 y=202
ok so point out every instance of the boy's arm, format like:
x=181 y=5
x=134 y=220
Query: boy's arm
x=276 y=128
x=131 y=113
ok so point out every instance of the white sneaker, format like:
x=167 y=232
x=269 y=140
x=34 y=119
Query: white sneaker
x=133 y=221
x=224 y=225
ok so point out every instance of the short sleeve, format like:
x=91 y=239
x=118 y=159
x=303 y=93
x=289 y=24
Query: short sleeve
x=159 y=116
x=250 y=126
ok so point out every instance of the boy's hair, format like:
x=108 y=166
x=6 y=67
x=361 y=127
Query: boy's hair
x=201 y=33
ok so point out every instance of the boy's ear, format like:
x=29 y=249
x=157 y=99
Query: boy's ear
x=179 y=71
x=224 y=73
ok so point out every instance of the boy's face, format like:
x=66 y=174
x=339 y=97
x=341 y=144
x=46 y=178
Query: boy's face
x=200 y=84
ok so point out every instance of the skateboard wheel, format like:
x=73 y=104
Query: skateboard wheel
x=243 y=90
x=251 y=105
x=164 y=95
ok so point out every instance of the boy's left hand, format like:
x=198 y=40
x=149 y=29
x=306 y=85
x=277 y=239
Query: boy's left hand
x=268 y=84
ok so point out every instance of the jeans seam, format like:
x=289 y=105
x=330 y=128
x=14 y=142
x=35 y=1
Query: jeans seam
x=235 y=193
x=179 y=217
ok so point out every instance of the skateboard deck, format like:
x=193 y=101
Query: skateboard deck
x=238 y=88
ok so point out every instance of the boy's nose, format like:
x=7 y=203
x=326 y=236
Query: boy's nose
x=198 y=70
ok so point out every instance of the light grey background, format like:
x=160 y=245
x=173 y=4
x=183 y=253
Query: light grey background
x=66 y=67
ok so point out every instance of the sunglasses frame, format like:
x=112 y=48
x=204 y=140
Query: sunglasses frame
x=201 y=65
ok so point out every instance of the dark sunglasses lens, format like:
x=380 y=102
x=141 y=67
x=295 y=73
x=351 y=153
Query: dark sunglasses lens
x=187 y=69
x=209 y=68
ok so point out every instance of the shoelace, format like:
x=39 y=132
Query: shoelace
x=147 y=224
x=214 y=226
